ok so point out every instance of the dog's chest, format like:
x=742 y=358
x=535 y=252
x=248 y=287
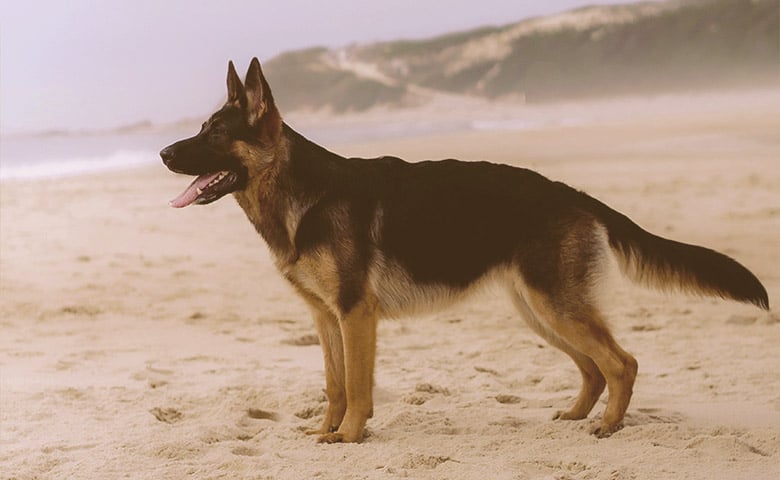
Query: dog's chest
x=316 y=273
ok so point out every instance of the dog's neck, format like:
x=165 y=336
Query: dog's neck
x=279 y=193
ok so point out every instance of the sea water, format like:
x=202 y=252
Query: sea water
x=35 y=156
x=54 y=155
x=24 y=157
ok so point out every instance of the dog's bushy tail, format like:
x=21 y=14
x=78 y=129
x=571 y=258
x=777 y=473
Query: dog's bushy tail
x=665 y=264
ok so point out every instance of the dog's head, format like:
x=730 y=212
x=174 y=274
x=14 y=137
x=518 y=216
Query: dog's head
x=234 y=142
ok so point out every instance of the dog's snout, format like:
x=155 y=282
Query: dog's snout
x=166 y=154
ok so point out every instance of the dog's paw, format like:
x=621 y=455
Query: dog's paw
x=567 y=415
x=332 y=437
x=321 y=431
x=341 y=437
x=604 y=431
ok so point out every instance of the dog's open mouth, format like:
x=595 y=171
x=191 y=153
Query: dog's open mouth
x=206 y=188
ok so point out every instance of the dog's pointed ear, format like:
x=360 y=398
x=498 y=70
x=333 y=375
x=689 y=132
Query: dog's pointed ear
x=235 y=89
x=260 y=102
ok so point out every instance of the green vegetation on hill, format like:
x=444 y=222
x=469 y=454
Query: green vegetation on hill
x=702 y=45
x=687 y=44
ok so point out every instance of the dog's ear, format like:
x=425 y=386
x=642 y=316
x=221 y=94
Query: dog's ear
x=235 y=89
x=260 y=105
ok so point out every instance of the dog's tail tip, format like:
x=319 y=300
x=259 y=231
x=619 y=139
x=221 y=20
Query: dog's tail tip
x=762 y=301
x=756 y=296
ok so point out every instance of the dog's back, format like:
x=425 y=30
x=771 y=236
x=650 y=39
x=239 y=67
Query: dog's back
x=444 y=225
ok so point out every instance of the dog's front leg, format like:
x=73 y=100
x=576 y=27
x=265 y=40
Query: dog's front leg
x=358 y=332
x=329 y=334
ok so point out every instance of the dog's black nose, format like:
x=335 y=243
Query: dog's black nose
x=166 y=154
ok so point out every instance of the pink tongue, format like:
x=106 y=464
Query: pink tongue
x=191 y=193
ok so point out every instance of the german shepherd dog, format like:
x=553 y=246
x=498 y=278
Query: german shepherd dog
x=360 y=239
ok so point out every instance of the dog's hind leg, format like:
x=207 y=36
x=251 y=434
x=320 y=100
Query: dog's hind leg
x=557 y=285
x=593 y=382
x=358 y=331
x=579 y=323
x=332 y=346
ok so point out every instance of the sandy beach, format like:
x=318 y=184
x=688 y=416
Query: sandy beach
x=143 y=342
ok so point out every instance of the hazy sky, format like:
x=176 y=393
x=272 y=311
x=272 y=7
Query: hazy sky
x=99 y=64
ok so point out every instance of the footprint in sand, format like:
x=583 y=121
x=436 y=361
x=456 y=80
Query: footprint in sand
x=424 y=392
x=302 y=341
x=508 y=399
x=645 y=327
x=245 y=452
x=418 y=461
x=155 y=377
x=166 y=415
x=648 y=416
x=259 y=414
x=430 y=388
x=310 y=411
x=80 y=310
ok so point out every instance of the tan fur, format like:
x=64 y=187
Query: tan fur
x=332 y=344
x=585 y=337
x=632 y=266
x=349 y=351
x=593 y=381
x=256 y=200
x=317 y=274
x=358 y=331
x=399 y=295
x=255 y=158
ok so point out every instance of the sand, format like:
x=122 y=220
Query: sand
x=142 y=342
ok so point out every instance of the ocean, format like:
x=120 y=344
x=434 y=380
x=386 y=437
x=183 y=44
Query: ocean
x=28 y=157
x=24 y=157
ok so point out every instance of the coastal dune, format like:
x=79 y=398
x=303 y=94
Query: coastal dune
x=140 y=341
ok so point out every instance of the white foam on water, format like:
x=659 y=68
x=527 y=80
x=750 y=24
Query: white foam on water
x=74 y=166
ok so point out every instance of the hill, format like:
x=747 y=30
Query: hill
x=649 y=47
